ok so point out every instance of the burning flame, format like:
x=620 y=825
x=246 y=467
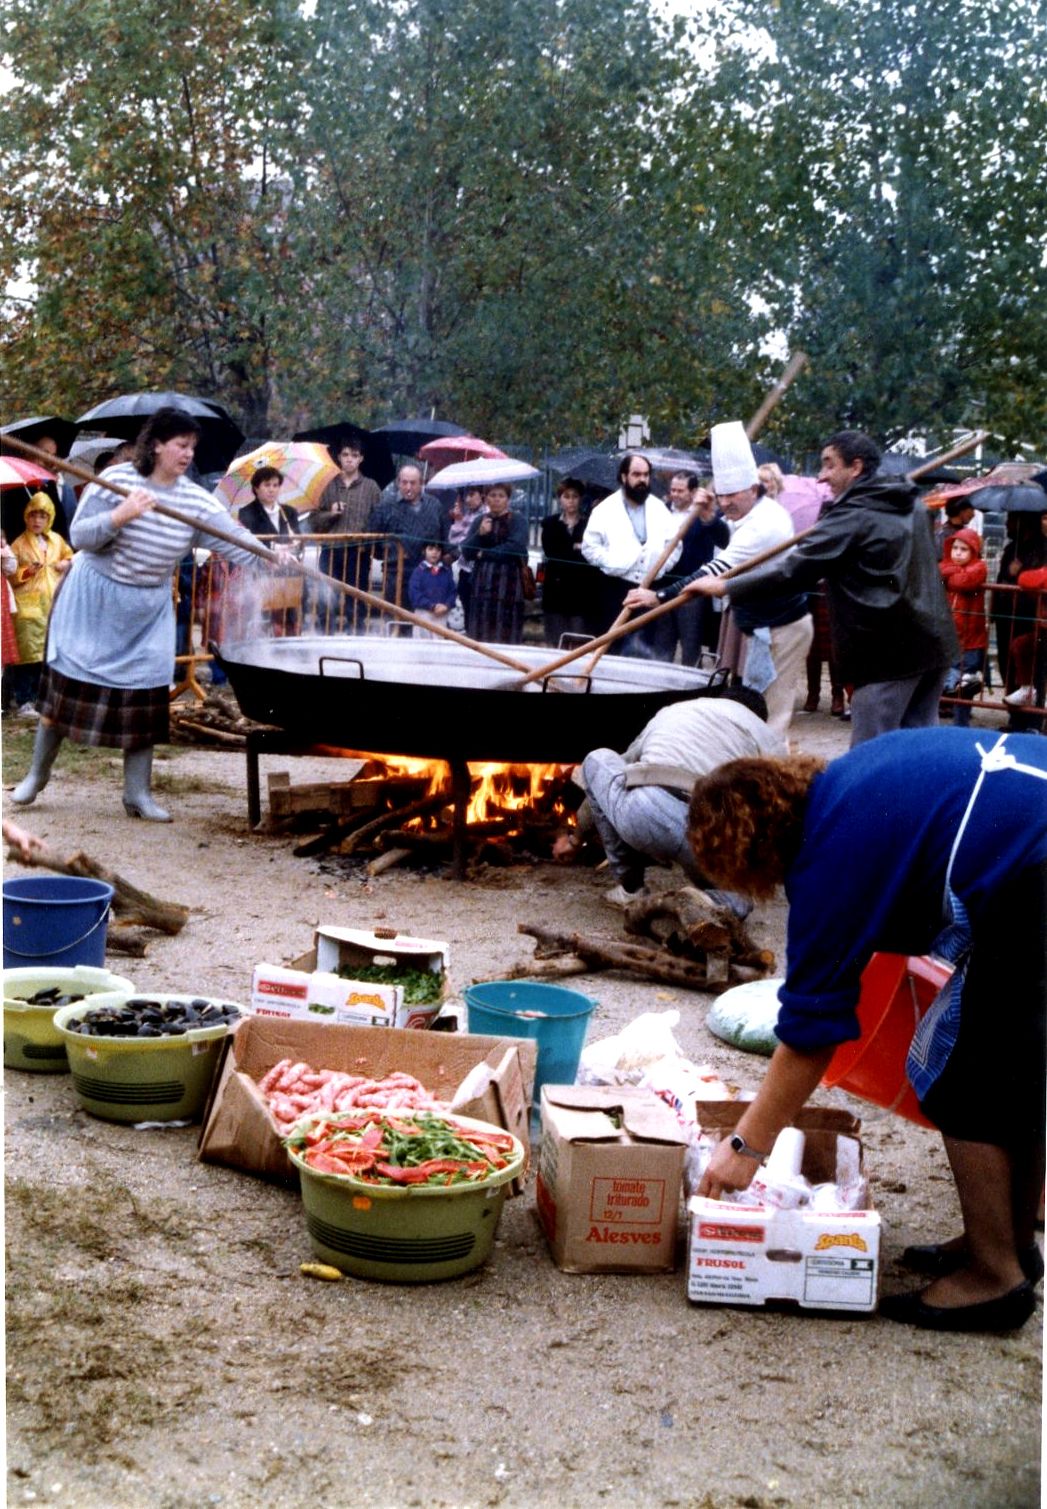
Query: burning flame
x=496 y=788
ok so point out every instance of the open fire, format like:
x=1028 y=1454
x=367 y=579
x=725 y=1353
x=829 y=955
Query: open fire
x=403 y=806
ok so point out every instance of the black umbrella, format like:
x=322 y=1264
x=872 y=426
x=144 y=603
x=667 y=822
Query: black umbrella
x=378 y=460
x=596 y=469
x=1017 y=497
x=762 y=455
x=407 y=436
x=220 y=437
x=894 y=464
x=61 y=431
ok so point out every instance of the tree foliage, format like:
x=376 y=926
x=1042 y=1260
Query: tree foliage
x=905 y=200
x=536 y=218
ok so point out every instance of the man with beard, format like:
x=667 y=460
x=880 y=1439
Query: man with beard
x=624 y=537
x=888 y=612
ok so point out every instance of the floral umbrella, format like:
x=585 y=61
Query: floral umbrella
x=306 y=467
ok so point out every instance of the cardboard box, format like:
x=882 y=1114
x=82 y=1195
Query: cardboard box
x=278 y=991
x=608 y=1190
x=750 y=1255
x=339 y=948
x=238 y=1130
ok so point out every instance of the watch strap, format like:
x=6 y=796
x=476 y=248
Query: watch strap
x=739 y=1145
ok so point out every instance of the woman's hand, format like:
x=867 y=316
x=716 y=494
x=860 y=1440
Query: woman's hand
x=485 y=525
x=727 y=1171
x=137 y=502
x=63 y=566
x=440 y=610
x=22 y=842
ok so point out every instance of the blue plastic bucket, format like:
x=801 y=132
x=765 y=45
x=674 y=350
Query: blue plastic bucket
x=55 y=921
x=556 y=1018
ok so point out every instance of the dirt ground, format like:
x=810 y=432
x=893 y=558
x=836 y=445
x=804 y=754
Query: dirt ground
x=164 y=1351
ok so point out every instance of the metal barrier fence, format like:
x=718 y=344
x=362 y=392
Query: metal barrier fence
x=216 y=601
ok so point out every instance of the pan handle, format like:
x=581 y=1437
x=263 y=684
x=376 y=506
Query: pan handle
x=567 y=676
x=343 y=660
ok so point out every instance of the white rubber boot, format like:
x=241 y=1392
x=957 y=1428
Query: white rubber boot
x=138 y=775
x=45 y=746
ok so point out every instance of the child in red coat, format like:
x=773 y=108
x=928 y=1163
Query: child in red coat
x=964 y=574
x=1024 y=646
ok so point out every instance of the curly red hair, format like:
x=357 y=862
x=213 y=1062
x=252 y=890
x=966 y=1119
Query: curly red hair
x=745 y=822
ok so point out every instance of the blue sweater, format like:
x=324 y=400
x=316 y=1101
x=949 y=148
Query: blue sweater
x=870 y=876
x=427 y=586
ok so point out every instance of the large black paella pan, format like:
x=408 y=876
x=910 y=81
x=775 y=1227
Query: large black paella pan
x=438 y=700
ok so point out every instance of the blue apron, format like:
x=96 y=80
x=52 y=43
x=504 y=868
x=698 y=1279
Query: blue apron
x=935 y=1037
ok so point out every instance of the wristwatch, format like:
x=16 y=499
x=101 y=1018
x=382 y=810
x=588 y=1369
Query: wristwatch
x=739 y=1145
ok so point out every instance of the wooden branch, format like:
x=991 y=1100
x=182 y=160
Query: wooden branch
x=388 y=861
x=547 y=969
x=208 y=734
x=130 y=903
x=387 y=819
x=122 y=939
x=652 y=963
x=691 y=923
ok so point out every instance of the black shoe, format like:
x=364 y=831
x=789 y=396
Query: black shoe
x=1006 y=1313
x=938 y=1261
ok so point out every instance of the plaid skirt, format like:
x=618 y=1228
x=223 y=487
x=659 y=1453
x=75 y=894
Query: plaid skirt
x=117 y=717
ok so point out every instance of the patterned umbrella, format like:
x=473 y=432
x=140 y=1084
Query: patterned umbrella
x=15 y=472
x=306 y=467
x=441 y=453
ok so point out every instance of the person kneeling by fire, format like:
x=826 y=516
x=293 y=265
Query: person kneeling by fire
x=638 y=800
x=920 y=841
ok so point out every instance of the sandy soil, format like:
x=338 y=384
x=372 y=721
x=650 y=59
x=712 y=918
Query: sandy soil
x=164 y=1351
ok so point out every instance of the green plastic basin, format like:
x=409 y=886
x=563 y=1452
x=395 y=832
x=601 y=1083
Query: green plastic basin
x=405 y=1236
x=143 y=1078
x=31 y=1040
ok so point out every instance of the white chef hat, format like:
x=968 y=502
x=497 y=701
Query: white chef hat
x=734 y=468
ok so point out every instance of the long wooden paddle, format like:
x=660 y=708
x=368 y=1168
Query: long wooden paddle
x=54 y=463
x=932 y=464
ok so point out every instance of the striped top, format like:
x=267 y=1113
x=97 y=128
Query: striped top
x=146 y=550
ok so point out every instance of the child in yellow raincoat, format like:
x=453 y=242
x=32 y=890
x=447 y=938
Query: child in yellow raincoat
x=42 y=558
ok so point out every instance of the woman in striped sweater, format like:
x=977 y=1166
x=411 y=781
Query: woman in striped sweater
x=111 y=641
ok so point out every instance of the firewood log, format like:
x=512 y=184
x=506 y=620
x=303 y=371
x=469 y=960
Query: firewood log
x=129 y=903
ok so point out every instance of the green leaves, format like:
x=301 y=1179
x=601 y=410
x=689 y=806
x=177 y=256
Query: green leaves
x=533 y=218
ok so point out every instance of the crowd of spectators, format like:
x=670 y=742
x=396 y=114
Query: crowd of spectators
x=463 y=560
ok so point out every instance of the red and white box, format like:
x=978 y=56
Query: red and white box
x=753 y=1254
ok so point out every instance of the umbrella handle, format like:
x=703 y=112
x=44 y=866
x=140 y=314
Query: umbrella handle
x=266 y=555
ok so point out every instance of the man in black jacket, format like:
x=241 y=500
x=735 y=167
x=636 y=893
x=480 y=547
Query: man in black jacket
x=890 y=622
